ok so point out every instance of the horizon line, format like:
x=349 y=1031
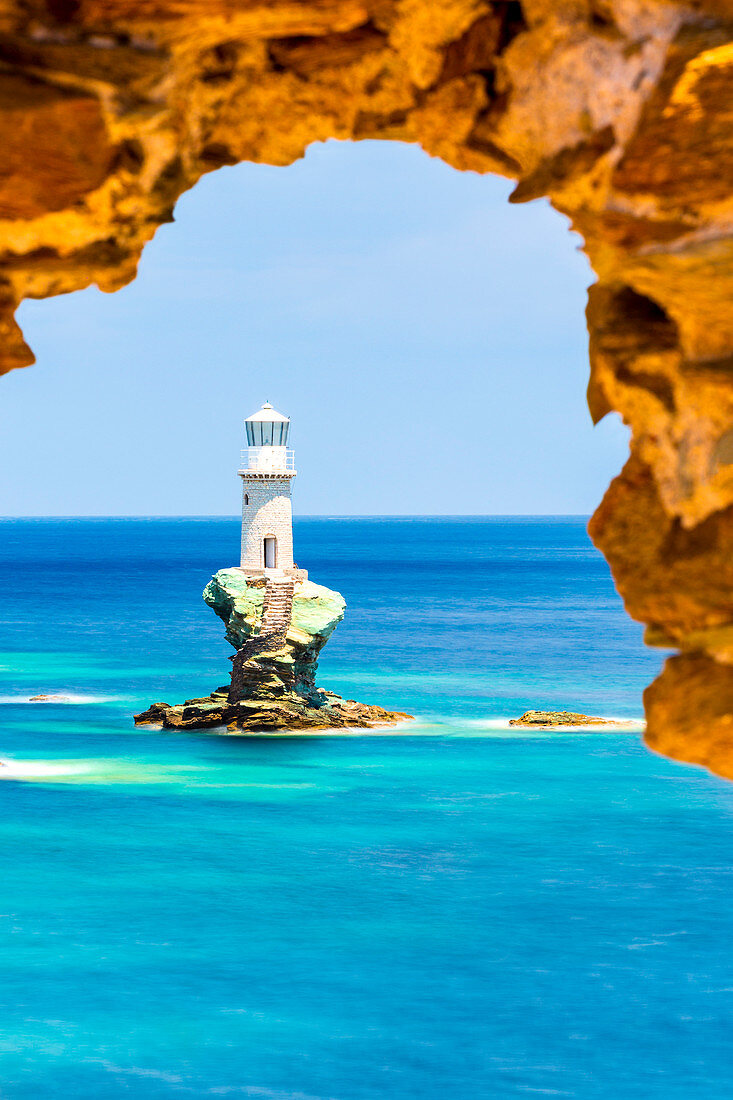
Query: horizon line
x=311 y=515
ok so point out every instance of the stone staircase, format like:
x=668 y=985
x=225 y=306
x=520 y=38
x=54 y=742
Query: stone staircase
x=277 y=609
x=278 y=605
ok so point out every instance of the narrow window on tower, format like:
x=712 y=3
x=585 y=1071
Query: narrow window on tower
x=246 y=498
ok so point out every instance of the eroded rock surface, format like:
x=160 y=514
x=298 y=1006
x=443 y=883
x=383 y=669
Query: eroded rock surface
x=621 y=111
x=284 y=715
x=273 y=683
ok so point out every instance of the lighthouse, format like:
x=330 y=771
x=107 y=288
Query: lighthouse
x=277 y=620
x=267 y=470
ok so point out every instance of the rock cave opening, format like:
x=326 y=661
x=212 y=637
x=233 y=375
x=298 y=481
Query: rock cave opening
x=616 y=111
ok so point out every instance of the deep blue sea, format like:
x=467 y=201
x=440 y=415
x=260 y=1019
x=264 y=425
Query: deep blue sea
x=449 y=911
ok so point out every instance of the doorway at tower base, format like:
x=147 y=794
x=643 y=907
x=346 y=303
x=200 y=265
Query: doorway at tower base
x=273 y=685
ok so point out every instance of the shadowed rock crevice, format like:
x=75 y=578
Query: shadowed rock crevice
x=621 y=111
x=562 y=168
x=631 y=336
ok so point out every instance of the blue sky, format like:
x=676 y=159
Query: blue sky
x=427 y=339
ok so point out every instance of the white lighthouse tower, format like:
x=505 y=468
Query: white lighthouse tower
x=267 y=470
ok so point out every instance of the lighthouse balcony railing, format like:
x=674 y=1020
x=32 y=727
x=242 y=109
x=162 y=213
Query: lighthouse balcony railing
x=267 y=460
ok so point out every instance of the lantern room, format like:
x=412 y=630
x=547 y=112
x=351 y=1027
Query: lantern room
x=267 y=438
x=267 y=428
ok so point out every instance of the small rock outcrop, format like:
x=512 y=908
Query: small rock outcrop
x=278 y=628
x=546 y=719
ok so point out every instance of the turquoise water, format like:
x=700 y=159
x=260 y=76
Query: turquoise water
x=453 y=909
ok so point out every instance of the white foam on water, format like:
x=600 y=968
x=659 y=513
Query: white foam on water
x=445 y=726
x=41 y=769
x=625 y=725
x=62 y=699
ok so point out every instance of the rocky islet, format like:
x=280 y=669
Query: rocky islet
x=273 y=684
x=549 y=719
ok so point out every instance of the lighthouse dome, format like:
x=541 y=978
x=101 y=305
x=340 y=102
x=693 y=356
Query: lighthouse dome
x=267 y=428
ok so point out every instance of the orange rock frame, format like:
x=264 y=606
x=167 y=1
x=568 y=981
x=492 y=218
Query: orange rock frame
x=621 y=111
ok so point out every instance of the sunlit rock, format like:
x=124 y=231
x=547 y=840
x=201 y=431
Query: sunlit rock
x=552 y=719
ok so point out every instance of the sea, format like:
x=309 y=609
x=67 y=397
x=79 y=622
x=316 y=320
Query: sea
x=453 y=908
